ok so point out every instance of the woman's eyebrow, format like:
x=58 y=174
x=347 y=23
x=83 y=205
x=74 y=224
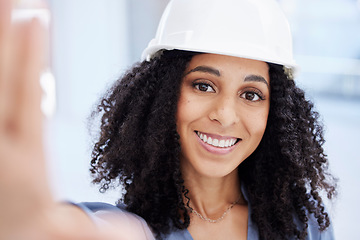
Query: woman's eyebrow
x=256 y=78
x=205 y=69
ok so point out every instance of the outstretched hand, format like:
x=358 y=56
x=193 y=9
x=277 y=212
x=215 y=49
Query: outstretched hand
x=27 y=209
x=23 y=185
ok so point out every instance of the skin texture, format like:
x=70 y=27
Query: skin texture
x=140 y=146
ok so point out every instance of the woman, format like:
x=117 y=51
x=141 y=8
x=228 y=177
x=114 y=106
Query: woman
x=196 y=138
x=212 y=140
x=224 y=98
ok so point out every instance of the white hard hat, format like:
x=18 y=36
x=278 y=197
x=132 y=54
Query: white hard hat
x=254 y=29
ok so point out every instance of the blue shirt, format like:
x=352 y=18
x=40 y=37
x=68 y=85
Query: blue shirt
x=95 y=209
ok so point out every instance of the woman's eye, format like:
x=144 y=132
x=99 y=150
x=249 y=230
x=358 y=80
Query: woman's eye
x=203 y=87
x=251 y=96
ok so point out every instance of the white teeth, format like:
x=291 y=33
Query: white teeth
x=216 y=142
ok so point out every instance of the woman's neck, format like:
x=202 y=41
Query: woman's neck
x=212 y=195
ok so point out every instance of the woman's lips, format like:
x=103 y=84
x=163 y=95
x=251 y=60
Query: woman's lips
x=217 y=144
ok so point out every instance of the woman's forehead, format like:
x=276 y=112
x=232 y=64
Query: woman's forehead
x=222 y=64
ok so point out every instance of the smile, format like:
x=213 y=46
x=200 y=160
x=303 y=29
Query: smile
x=217 y=141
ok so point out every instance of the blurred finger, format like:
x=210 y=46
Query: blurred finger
x=28 y=93
x=5 y=45
x=5 y=13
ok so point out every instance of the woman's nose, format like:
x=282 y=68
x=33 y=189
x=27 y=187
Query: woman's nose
x=225 y=111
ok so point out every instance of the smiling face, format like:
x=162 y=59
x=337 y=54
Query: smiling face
x=222 y=112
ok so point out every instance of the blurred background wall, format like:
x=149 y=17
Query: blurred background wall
x=94 y=42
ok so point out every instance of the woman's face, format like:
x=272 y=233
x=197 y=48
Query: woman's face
x=222 y=112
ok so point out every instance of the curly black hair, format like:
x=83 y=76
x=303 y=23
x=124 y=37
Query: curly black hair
x=139 y=146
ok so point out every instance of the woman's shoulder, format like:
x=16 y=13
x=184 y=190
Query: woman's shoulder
x=94 y=207
x=314 y=232
x=103 y=214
